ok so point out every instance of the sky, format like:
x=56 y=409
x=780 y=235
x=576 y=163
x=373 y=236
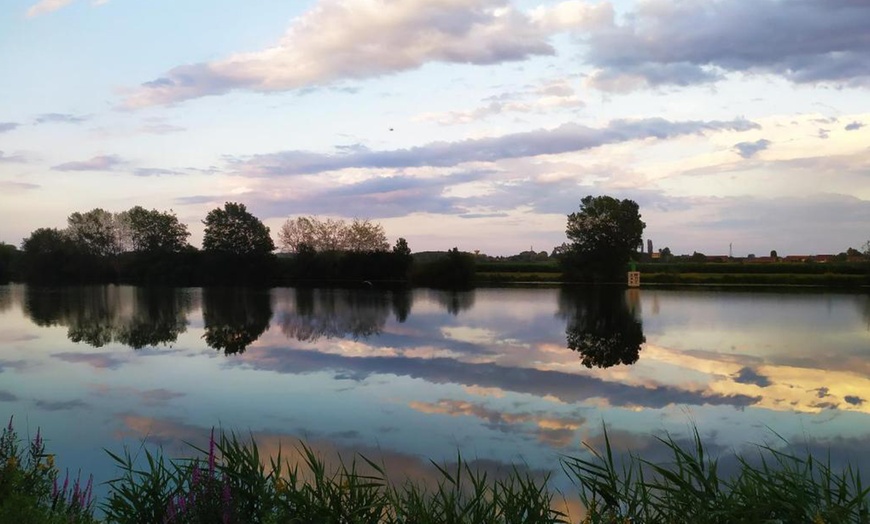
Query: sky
x=478 y=124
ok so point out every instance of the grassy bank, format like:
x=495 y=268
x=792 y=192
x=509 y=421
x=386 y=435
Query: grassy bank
x=229 y=482
x=835 y=275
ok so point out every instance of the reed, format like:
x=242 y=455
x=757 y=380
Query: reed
x=230 y=482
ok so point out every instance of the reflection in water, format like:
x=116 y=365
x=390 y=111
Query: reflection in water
x=603 y=325
x=338 y=313
x=867 y=310
x=235 y=317
x=402 y=300
x=455 y=301
x=5 y=298
x=100 y=315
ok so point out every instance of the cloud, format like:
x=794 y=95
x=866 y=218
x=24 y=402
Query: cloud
x=17 y=187
x=748 y=375
x=97 y=163
x=62 y=118
x=568 y=387
x=566 y=138
x=555 y=94
x=854 y=126
x=46 y=6
x=49 y=6
x=683 y=43
x=161 y=129
x=154 y=171
x=13 y=158
x=340 y=40
x=749 y=149
x=96 y=360
x=6 y=396
x=8 y=126
x=547 y=427
x=60 y=405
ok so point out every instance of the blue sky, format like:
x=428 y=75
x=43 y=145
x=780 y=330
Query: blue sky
x=471 y=123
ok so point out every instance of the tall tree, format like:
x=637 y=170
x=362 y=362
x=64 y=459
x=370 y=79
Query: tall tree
x=324 y=235
x=236 y=231
x=153 y=231
x=97 y=232
x=365 y=236
x=605 y=233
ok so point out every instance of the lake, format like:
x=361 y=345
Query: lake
x=502 y=376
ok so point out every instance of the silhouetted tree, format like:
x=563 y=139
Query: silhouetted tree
x=154 y=231
x=235 y=231
x=604 y=236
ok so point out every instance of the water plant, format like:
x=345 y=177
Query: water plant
x=773 y=487
x=228 y=482
x=30 y=485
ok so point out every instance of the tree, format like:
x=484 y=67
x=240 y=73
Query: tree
x=325 y=235
x=773 y=254
x=867 y=248
x=97 y=232
x=235 y=231
x=852 y=252
x=153 y=231
x=401 y=248
x=364 y=236
x=604 y=236
x=666 y=253
x=8 y=253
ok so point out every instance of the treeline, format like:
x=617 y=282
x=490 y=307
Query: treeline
x=150 y=247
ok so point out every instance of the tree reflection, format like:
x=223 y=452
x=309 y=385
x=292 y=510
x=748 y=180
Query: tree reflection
x=602 y=325
x=402 y=300
x=336 y=313
x=235 y=317
x=455 y=301
x=5 y=298
x=100 y=315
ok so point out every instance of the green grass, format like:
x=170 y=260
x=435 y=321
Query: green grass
x=230 y=482
x=794 y=279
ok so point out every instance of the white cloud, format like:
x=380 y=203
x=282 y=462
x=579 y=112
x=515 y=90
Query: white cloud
x=46 y=6
x=49 y=6
x=97 y=163
x=555 y=94
x=355 y=39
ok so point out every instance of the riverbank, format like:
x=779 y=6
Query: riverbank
x=833 y=275
x=229 y=481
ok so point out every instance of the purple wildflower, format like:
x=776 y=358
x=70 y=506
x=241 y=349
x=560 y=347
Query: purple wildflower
x=195 y=480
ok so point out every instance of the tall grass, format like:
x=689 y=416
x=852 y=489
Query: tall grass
x=777 y=487
x=230 y=482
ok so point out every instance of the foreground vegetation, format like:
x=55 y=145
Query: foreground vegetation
x=230 y=482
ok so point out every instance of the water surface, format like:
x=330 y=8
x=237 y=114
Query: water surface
x=503 y=376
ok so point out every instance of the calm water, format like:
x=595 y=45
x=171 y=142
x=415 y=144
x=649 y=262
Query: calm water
x=502 y=375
